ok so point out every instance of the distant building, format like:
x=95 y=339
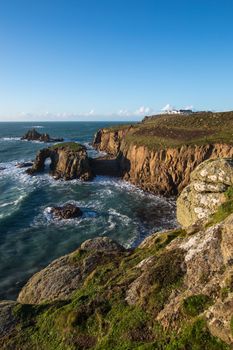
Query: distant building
x=179 y=111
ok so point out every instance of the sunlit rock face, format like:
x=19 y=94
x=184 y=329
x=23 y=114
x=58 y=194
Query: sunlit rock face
x=68 y=161
x=206 y=191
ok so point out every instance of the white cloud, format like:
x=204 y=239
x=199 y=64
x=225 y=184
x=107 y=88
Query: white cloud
x=124 y=113
x=189 y=107
x=167 y=108
x=143 y=110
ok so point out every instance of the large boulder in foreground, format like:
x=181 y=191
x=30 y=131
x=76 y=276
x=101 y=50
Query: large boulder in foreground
x=62 y=277
x=69 y=161
x=207 y=190
x=33 y=135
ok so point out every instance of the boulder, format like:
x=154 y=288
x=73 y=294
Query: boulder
x=33 y=135
x=60 y=279
x=68 y=211
x=206 y=191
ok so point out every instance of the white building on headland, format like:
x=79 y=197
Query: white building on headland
x=168 y=109
x=180 y=111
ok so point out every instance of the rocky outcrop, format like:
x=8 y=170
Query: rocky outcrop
x=206 y=191
x=165 y=171
x=68 y=161
x=33 y=135
x=110 y=140
x=65 y=275
x=175 y=291
x=68 y=211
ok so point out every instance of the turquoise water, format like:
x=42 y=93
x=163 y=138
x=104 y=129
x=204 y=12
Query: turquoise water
x=30 y=238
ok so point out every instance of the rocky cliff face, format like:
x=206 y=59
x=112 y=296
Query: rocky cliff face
x=68 y=161
x=165 y=171
x=175 y=291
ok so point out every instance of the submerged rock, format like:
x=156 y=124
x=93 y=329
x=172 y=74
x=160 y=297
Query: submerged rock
x=33 y=135
x=24 y=164
x=206 y=191
x=68 y=211
x=69 y=161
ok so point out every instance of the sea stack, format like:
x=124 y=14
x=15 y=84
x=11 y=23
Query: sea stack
x=69 y=161
x=33 y=135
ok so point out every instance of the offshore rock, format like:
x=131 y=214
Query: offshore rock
x=33 y=135
x=68 y=161
x=24 y=165
x=206 y=191
x=68 y=211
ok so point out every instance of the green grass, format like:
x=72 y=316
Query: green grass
x=224 y=210
x=168 y=131
x=97 y=316
x=73 y=146
x=196 y=304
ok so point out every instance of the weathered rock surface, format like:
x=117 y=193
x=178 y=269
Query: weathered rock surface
x=8 y=320
x=206 y=191
x=65 y=275
x=68 y=211
x=166 y=171
x=33 y=135
x=68 y=161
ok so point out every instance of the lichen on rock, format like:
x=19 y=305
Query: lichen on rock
x=206 y=191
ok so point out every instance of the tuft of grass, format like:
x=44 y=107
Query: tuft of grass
x=195 y=336
x=224 y=210
x=196 y=304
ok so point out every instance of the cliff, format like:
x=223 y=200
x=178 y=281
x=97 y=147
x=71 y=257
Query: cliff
x=160 y=153
x=68 y=161
x=173 y=292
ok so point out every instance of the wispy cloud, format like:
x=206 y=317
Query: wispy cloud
x=167 y=108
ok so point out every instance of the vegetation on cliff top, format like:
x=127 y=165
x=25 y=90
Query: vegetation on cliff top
x=73 y=146
x=163 y=131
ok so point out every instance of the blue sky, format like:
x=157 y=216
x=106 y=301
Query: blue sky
x=113 y=59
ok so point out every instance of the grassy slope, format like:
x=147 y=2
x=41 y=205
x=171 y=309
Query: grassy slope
x=163 y=131
x=73 y=146
x=97 y=317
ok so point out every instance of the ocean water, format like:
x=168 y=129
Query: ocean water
x=30 y=238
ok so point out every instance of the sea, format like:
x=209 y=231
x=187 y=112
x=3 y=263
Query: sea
x=30 y=238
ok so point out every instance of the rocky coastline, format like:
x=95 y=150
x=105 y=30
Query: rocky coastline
x=175 y=291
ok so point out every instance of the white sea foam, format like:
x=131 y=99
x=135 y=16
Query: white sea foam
x=9 y=138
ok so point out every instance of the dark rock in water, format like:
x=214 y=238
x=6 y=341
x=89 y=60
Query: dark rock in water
x=1 y=168
x=24 y=164
x=33 y=135
x=68 y=211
